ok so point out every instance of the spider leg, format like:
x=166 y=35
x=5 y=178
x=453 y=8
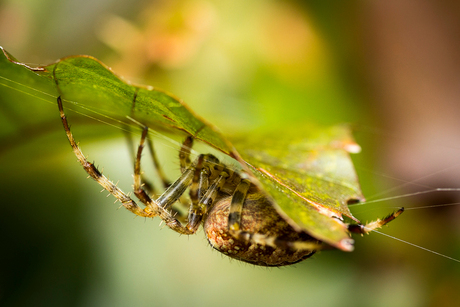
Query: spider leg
x=199 y=209
x=146 y=184
x=166 y=183
x=89 y=167
x=140 y=184
x=172 y=194
x=184 y=159
x=162 y=204
x=138 y=190
x=236 y=206
x=192 y=173
x=200 y=183
x=367 y=228
x=184 y=153
x=276 y=242
x=234 y=226
x=129 y=140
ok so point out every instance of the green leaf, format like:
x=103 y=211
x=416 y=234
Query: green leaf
x=309 y=173
x=88 y=83
x=305 y=170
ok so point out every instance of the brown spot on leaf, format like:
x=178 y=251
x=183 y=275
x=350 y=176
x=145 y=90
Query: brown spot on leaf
x=168 y=118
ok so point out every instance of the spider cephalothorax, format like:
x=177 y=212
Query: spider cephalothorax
x=239 y=219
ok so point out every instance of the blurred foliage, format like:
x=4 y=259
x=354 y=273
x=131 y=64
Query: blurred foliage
x=240 y=66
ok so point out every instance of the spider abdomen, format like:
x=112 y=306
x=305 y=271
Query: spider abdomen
x=258 y=217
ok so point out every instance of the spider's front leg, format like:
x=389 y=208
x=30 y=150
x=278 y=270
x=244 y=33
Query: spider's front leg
x=89 y=167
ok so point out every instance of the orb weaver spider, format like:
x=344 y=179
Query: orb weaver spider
x=239 y=220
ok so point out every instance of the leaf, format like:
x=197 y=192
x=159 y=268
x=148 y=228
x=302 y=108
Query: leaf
x=88 y=83
x=309 y=173
x=305 y=170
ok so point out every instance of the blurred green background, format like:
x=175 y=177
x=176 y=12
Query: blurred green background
x=389 y=67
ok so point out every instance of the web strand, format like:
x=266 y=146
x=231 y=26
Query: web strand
x=409 y=195
x=418 y=246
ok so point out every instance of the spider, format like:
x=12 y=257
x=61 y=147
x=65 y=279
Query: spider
x=238 y=219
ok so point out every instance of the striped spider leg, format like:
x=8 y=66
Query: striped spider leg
x=89 y=167
x=152 y=208
x=148 y=186
x=379 y=223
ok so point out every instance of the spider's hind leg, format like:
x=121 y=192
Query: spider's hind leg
x=367 y=228
x=277 y=242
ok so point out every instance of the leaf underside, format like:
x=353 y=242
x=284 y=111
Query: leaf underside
x=306 y=171
x=309 y=173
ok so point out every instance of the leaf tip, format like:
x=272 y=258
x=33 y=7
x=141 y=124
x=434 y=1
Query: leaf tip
x=352 y=148
x=346 y=245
